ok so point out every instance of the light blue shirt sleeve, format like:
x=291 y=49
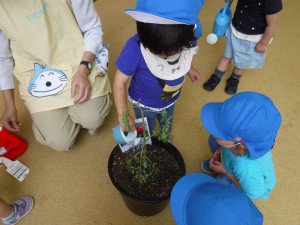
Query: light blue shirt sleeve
x=256 y=177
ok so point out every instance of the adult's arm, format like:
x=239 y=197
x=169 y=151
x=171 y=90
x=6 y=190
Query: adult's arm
x=89 y=23
x=6 y=64
x=9 y=118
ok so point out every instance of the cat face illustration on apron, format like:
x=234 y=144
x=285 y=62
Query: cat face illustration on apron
x=46 y=81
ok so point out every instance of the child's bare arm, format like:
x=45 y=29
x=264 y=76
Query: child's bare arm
x=194 y=74
x=272 y=21
x=217 y=155
x=120 y=97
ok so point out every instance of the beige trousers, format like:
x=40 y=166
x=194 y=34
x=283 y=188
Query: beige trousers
x=59 y=128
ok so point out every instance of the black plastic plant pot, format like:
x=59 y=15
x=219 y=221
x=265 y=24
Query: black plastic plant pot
x=144 y=208
x=149 y=207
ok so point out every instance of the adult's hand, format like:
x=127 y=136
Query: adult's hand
x=9 y=120
x=81 y=86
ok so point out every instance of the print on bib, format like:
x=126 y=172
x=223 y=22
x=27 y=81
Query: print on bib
x=170 y=68
x=46 y=81
x=170 y=89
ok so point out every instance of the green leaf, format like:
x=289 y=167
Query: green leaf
x=125 y=120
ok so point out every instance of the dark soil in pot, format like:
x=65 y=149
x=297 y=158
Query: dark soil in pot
x=170 y=164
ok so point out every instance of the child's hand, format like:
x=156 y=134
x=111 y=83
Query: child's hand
x=217 y=166
x=131 y=123
x=260 y=47
x=194 y=75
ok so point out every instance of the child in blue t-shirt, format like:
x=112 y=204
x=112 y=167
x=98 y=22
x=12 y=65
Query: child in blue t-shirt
x=243 y=130
x=157 y=58
x=247 y=38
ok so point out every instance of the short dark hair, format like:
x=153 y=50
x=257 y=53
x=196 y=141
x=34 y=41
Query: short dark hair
x=165 y=38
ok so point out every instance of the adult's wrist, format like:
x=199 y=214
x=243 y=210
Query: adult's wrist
x=83 y=70
x=86 y=66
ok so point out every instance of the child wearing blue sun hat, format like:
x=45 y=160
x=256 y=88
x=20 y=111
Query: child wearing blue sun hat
x=243 y=130
x=157 y=58
x=198 y=199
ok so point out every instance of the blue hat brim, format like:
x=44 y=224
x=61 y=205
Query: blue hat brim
x=207 y=118
x=146 y=17
x=182 y=189
x=256 y=149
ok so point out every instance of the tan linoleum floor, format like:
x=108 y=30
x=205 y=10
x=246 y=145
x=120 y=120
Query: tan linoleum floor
x=73 y=188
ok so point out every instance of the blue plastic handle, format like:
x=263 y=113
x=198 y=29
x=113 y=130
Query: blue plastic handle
x=225 y=7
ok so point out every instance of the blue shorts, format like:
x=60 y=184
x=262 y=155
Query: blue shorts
x=242 y=52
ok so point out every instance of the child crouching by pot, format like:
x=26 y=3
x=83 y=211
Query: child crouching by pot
x=243 y=130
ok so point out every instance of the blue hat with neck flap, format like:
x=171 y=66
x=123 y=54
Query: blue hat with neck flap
x=168 y=12
x=247 y=117
x=198 y=199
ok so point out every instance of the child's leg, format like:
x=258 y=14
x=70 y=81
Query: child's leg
x=246 y=57
x=151 y=117
x=222 y=65
x=225 y=60
x=18 y=210
x=237 y=72
x=5 y=209
x=233 y=81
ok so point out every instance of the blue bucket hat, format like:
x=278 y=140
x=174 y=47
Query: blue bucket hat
x=198 y=199
x=168 y=12
x=247 y=117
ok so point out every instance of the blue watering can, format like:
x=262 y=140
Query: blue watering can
x=123 y=138
x=222 y=21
